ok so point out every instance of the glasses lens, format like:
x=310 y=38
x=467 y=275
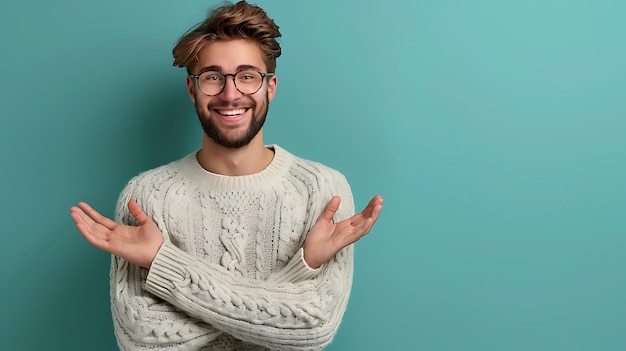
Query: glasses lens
x=211 y=82
x=248 y=82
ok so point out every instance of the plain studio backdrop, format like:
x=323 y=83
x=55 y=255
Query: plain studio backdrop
x=494 y=130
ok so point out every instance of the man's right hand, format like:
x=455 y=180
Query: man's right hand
x=136 y=244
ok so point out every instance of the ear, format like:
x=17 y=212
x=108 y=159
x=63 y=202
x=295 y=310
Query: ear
x=191 y=88
x=271 y=87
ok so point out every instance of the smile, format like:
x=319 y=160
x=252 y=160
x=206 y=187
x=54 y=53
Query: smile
x=231 y=113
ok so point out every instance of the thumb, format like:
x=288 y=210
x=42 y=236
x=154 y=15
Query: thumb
x=137 y=212
x=331 y=209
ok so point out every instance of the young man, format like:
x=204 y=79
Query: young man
x=242 y=246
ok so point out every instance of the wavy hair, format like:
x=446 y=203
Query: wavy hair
x=229 y=22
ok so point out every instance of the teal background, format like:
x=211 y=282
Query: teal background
x=494 y=130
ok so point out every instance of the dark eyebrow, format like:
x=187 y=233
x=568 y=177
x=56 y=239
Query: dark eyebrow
x=248 y=67
x=219 y=68
x=210 y=68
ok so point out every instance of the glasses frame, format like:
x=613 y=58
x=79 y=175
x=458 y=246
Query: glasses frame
x=197 y=82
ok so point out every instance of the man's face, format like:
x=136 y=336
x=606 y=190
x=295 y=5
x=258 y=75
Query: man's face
x=230 y=118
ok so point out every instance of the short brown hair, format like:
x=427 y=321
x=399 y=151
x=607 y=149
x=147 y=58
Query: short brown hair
x=228 y=22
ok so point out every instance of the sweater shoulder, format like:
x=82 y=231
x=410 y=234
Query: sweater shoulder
x=154 y=178
x=317 y=172
x=316 y=168
x=318 y=176
x=168 y=169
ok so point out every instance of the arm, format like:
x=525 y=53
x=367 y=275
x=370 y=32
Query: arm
x=141 y=320
x=303 y=313
x=296 y=307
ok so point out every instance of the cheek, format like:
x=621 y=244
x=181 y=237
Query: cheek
x=201 y=108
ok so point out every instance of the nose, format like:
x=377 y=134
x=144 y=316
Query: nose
x=230 y=92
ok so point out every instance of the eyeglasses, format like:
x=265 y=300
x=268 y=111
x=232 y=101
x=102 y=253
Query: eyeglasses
x=212 y=83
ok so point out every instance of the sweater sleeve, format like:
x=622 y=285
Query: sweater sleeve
x=296 y=308
x=143 y=321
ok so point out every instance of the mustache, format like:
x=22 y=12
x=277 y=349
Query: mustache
x=231 y=105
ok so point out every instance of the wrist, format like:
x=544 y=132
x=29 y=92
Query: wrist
x=310 y=261
x=152 y=256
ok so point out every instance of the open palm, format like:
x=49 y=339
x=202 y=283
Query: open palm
x=136 y=244
x=326 y=238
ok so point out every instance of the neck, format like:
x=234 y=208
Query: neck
x=249 y=159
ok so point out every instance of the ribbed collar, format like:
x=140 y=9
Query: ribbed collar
x=274 y=171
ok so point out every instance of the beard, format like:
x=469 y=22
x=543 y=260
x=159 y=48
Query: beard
x=241 y=140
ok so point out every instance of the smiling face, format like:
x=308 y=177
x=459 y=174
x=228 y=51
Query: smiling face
x=231 y=119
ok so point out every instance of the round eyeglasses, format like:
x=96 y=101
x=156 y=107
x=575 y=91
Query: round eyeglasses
x=212 y=83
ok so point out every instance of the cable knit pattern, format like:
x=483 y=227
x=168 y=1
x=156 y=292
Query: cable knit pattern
x=231 y=273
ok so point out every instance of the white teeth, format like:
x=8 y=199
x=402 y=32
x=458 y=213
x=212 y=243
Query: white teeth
x=232 y=112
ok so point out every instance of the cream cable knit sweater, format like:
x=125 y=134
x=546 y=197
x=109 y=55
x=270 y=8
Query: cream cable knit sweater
x=231 y=274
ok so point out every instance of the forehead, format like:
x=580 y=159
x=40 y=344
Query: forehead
x=228 y=55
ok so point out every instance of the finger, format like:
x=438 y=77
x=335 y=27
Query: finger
x=88 y=228
x=85 y=224
x=137 y=212
x=331 y=209
x=96 y=216
x=374 y=207
x=363 y=222
x=371 y=211
x=375 y=211
x=78 y=215
x=366 y=226
x=368 y=222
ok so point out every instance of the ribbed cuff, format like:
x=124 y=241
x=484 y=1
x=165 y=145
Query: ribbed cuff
x=167 y=267
x=296 y=270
